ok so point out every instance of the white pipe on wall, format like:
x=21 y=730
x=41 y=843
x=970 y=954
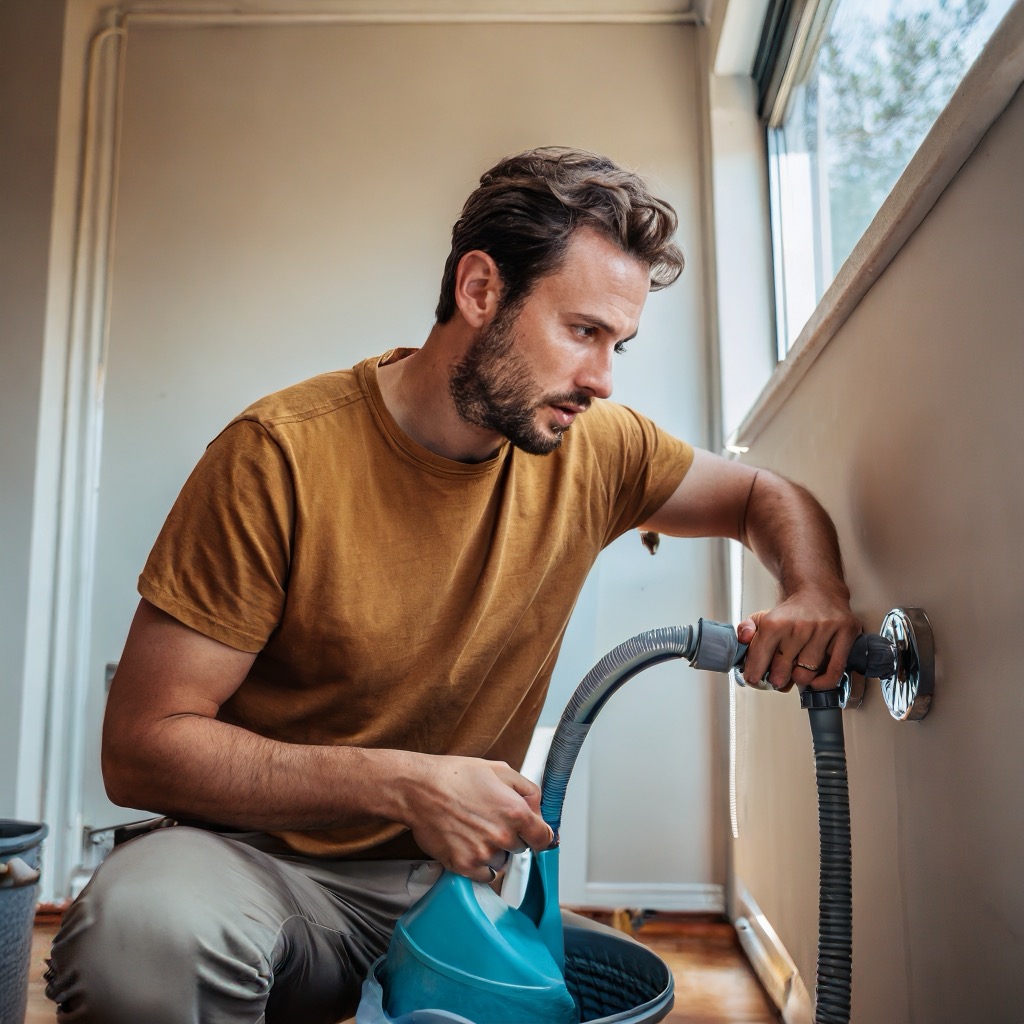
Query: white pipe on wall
x=79 y=484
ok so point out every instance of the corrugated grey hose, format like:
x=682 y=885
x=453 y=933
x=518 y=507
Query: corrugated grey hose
x=713 y=646
x=872 y=656
x=615 y=668
x=835 y=886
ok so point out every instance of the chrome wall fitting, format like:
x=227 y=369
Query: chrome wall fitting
x=851 y=692
x=908 y=693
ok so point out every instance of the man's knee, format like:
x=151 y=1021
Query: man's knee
x=164 y=916
x=176 y=885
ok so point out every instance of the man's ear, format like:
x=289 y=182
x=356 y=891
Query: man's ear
x=477 y=288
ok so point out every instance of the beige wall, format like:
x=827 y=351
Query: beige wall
x=284 y=200
x=909 y=428
x=30 y=67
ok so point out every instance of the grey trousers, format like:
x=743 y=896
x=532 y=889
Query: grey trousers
x=186 y=926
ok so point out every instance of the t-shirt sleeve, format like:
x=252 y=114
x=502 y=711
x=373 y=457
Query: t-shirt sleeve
x=220 y=562
x=648 y=467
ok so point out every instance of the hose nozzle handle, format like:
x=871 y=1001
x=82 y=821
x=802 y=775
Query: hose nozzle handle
x=715 y=648
x=873 y=656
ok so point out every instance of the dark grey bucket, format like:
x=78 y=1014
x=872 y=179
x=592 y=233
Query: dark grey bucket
x=19 y=871
x=613 y=980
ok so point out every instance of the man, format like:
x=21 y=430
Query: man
x=350 y=618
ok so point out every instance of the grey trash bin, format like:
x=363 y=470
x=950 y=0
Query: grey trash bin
x=19 y=871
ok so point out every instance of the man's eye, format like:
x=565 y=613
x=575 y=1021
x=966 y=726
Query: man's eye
x=586 y=330
x=620 y=348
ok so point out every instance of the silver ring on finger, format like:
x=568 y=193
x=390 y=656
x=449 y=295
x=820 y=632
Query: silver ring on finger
x=809 y=668
x=494 y=875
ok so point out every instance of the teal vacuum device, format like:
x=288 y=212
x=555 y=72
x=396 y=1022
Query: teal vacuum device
x=462 y=955
x=463 y=948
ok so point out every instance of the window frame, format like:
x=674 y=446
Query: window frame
x=984 y=93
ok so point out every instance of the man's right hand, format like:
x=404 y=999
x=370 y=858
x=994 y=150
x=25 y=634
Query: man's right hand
x=463 y=811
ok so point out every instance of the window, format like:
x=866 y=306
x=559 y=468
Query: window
x=849 y=89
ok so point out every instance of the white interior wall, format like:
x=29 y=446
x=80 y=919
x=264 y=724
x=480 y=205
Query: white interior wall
x=908 y=428
x=283 y=207
x=743 y=246
x=739 y=168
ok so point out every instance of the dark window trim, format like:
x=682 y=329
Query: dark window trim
x=774 y=51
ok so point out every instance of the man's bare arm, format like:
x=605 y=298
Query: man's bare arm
x=164 y=750
x=792 y=535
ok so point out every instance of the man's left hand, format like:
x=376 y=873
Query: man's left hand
x=804 y=640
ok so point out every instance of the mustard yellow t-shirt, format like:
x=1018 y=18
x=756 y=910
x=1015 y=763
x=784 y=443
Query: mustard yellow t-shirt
x=395 y=598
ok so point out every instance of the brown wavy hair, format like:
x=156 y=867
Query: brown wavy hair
x=527 y=207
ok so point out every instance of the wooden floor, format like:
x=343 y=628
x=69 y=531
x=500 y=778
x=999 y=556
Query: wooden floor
x=714 y=983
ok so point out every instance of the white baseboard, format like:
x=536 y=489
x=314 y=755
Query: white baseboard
x=772 y=963
x=694 y=898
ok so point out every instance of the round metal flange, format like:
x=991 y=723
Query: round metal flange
x=908 y=694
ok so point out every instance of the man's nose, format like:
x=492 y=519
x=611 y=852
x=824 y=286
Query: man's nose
x=595 y=376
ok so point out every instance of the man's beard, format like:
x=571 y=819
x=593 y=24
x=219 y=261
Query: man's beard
x=492 y=387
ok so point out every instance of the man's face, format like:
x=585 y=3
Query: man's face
x=534 y=368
